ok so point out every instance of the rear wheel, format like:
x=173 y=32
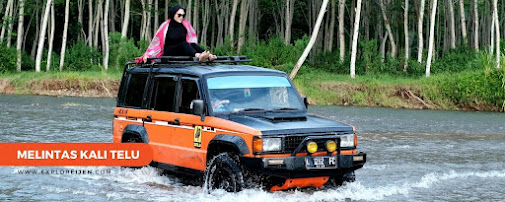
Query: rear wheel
x=223 y=172
x=132 y=139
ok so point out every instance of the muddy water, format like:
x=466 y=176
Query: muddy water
x=412 y=155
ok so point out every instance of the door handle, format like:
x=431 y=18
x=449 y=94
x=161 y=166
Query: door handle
x=148 y=119
x=175 y=122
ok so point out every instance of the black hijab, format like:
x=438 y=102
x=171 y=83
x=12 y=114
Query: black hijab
x=172 y=11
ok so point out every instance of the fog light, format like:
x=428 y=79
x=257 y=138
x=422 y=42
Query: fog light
x=331 y=146
x=275 y=162
x=357 y=158
x=312 y=147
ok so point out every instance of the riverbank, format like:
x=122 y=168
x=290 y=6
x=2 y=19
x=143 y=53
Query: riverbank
x=440 y=92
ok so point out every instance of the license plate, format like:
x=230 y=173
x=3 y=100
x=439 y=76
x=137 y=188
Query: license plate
x=321 y=162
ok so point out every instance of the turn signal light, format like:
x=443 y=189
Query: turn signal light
x=331 y=146
x=257 y=144
x=311 y=147
x=355 y=140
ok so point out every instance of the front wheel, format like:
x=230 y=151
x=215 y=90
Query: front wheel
x=223 y=172
x=339 y=181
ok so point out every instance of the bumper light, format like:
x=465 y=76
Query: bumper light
x=311 y=147
x=275 y=162
x=331 y=146
x=357 y=158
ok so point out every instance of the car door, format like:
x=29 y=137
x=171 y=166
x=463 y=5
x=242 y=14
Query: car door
x=190 y=131
x=160 y=122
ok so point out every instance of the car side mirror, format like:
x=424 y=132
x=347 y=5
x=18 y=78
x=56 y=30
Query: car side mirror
x=305 y=102
x=197 y=107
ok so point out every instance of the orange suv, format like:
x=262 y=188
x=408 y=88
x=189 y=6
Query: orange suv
x=234 y=125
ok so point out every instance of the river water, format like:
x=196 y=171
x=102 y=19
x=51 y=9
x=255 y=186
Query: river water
x=413 y=155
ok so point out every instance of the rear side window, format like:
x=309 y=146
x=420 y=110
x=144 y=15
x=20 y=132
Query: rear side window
x=135 y=90
x=163 y=94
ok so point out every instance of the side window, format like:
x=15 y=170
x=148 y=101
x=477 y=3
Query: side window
x=163 y=94
x=135 y=90
x=189 y=92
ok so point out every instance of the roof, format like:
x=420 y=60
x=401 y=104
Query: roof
x=205 y=70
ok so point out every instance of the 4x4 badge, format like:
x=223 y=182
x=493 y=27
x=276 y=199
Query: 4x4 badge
x=198 y=137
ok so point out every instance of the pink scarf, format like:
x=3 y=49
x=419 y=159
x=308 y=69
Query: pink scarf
x=155 y=49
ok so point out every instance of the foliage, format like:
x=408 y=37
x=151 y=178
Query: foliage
x=122 y=51
x=81 y=57
x=8 y=60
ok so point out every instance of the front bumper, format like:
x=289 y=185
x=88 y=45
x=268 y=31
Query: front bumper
x=297 y=166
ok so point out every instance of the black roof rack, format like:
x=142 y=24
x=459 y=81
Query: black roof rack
x=194 y=60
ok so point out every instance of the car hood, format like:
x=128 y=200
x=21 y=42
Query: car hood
x=290 y=123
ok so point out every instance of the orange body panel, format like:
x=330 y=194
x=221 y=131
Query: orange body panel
x=301 y=182
x=174 y=144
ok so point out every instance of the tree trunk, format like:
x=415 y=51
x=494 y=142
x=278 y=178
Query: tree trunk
x=312 y=40
x=452 y=28
x=6 y=20
x=124 y=29
x=64 y=40
x=388 y=28
x=332 y=26
x=10 y=21
x=351 y=19
x=166 y=9
x=420 y=37
x=144 y=20
x=205 y=21
x=148 y=25
x=156 y=16
x=355 y=37
x=105 y=30
x=90 y=23
x=80 y=18
x=19 y=42
x=406 y=30
x=112 y=16
x=232 y=21
x=497 y=34
x=242 y=23
x=196 y=15
x=383 y=47
x=188 y=11
x=289 y=20
x=98 y=17
x=37 y=30
x=51 y=39
x=341 y=31
x=463 y=21
x=432 y=35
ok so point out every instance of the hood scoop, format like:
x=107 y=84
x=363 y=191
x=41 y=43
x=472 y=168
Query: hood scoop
x=283 y=118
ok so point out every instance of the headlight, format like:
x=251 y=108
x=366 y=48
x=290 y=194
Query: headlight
x=347 y=140
x=272 y=144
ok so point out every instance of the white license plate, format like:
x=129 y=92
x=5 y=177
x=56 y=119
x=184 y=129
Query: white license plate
x=317 y=162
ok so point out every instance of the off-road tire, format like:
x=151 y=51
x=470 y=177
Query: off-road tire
x=224 y=172
x=339 y=181
x=133 y=139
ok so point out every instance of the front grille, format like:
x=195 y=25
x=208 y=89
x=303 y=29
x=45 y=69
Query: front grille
x=291 y=142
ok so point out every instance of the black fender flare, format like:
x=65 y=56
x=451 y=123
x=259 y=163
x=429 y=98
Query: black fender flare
x=231 y=140
x=137 y=130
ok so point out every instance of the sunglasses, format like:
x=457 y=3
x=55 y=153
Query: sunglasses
x=181 y=15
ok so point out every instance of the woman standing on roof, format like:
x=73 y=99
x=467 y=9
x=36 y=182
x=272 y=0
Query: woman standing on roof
x=176 y=37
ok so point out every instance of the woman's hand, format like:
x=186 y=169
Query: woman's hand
x=145 y=58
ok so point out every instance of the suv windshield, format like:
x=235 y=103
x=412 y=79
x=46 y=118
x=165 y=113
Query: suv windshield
x=252 y=93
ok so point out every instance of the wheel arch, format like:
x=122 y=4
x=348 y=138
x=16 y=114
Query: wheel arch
x=226 y=143
x=135 y=131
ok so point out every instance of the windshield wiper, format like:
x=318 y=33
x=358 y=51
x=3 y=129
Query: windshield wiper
x=248 y=110
x=284 y=109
